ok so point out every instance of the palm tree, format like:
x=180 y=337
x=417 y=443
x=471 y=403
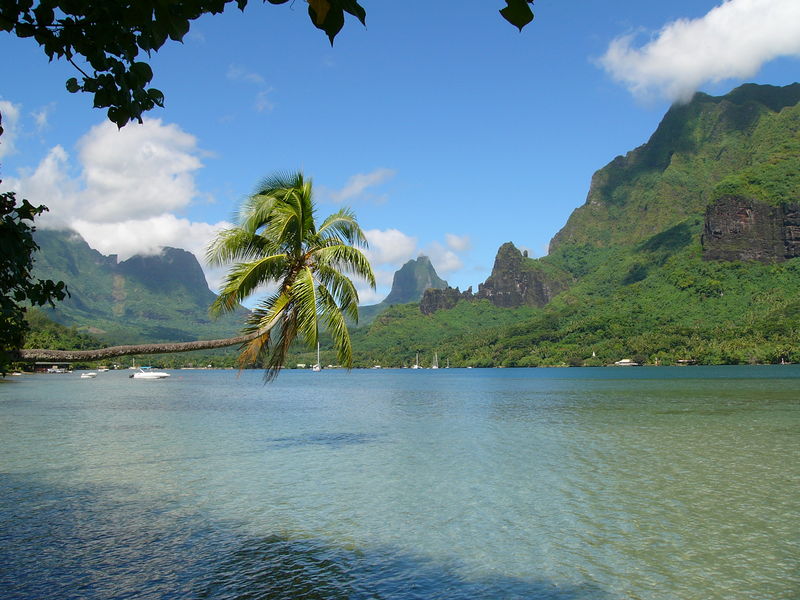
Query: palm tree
x=276 y=244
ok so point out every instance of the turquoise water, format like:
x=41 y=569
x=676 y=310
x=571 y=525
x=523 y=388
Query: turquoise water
x=557 y=484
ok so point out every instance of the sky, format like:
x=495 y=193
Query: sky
x=445 y=129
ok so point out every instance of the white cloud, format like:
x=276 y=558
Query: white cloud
x=444 y=260
x=263 y=101
x=133 y=173
x=128 y=183
x=389 y=246
x=138 y=170
x=239 y=73
x=10 y=124
x=457 y=243
x=368 y=296
x=242 y=75
x=359 y=183
x=50 y=184
x=41 y=117
x=732 y=41
x=148 y=236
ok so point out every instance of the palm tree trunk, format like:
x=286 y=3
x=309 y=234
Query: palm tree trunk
x=158 y=348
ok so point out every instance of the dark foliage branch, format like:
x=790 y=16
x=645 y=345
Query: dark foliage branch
x=105 y=40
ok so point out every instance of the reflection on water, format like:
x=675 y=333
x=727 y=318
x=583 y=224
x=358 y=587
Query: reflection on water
x=543 y=484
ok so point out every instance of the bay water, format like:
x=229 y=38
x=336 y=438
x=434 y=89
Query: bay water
x=559 y=484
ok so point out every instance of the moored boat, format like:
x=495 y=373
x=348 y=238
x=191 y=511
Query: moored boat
x=149 y=373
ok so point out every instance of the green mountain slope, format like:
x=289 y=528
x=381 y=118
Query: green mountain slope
x=154 y=298
x=637 y=265
x=746 y=140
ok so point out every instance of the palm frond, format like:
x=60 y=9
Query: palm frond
x=342 y=225
x=235 y=244
x=348 y=259
x=304 y=302
x=267 y=316
x=336 y=326
x=244 y=278
x=287 y=332
x=342 y=290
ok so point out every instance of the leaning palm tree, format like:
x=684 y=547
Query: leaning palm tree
x=277 y=244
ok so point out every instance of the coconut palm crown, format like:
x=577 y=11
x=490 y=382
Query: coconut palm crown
x=277 y=244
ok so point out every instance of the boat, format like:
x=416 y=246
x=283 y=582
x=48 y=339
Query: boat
x=435 y=364
x=89 y=375
x=416 y=364
x=317 y=367
x=149 y=373
x=626 y=362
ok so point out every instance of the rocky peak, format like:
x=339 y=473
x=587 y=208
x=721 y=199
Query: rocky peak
x=516 y=280
x=411 y=281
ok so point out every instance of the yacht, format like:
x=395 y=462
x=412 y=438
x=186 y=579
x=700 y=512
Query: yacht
x=149 y=373
x=317 y=367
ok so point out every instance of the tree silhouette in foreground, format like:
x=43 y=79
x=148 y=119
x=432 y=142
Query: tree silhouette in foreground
x=105 y=39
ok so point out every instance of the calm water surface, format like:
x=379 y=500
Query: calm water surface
x=557 y=484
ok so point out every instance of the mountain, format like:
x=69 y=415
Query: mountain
x=515 y=281
x=408 y=285
x=745 y=143
x=145 y=298
x=686 y=249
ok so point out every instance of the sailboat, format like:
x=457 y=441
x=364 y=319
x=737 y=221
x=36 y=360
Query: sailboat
x=435 y=364
x=317 y=367
x=416 y=364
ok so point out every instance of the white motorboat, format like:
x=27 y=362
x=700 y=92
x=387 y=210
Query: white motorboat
x=89 y=375
x=149 y=373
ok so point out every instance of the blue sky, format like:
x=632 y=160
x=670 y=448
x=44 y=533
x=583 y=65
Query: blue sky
x=446 y=130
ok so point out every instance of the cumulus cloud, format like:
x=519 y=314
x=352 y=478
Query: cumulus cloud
x=457 y=243
x=733 y=40
x=121 y=195
x=148 y=236
x=389 y=246
x=359 y=183
x=10 y=113
x=444 y=260
x=50 y=184
x=127 y=174
x=137 y=170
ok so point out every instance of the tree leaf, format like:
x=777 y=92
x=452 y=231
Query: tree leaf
x=518 y=13
x=318 y=9
x=355 y=9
